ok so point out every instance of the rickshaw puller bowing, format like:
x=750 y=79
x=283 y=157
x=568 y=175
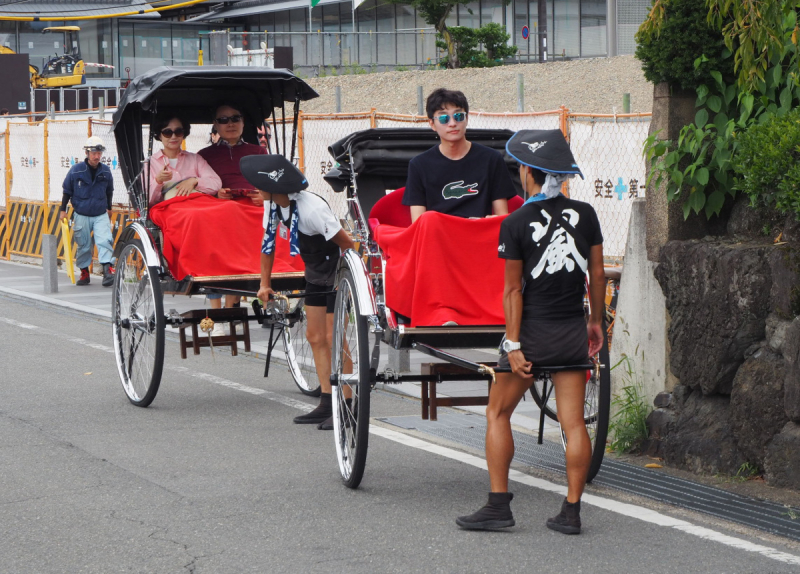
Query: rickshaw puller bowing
x=315 y=234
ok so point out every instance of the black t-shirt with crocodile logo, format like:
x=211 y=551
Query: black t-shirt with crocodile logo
x=465 y=187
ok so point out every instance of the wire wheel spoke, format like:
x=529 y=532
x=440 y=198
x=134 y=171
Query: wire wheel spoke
x=138 y=325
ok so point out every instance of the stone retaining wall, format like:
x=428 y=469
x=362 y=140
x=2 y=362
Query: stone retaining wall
x=734 y=347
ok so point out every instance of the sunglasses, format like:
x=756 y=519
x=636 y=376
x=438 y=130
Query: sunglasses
x=459 y=117
x=225 y=119
x=168 y=133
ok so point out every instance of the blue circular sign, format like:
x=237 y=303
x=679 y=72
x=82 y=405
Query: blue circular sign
x=525 y=32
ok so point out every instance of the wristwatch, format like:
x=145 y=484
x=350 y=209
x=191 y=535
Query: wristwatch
x=509 y=346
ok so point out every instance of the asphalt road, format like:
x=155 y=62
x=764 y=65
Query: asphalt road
x=215 y=478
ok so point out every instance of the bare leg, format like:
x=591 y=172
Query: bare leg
x=215 y=303
x=570 y=397
x=231 y=300
x=319 y=325
x=503 y=399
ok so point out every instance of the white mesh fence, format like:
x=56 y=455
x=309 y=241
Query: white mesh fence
x=3 y=166
x=609 y=153
x=26 y=154
x=65 y=141
x=515 y=122
x=111 y=159
x=608 y=150
x=318 y=134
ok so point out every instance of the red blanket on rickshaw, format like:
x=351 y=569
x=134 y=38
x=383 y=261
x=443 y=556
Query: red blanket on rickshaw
x=205 y=237
x=444 y=268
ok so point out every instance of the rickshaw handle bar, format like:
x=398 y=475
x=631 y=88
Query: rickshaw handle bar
x=479 y=368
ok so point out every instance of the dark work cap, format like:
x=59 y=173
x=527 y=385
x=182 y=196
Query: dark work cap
x=272 y=173
x=546 y=150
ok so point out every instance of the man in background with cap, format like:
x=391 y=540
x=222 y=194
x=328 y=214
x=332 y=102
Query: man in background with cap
x=89 y=185
x=314 y=233
x=549 y=246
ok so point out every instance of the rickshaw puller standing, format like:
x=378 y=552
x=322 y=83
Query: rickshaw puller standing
x=315 y=234
x=550 y=244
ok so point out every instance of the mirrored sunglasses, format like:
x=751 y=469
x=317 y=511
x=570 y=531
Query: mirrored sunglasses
x=225 y=119
x=458 y=117
x=168 y=133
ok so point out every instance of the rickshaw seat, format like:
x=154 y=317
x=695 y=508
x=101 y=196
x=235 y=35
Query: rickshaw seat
x=389 y=210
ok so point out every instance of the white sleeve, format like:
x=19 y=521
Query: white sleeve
x=318 y=218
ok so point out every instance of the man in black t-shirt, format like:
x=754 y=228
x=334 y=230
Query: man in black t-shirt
x=549 y=246
x=456 y=177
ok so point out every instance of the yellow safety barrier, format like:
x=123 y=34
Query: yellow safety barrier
x=66 y=245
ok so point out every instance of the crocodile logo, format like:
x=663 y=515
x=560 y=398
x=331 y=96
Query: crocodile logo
x=457 y=189
x=534 y=146
x=273 y=175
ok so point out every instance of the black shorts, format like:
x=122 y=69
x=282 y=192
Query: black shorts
x=314 y=300
x=552 y=343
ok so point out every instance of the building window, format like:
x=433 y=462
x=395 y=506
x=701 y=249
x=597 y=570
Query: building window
x=593 y=28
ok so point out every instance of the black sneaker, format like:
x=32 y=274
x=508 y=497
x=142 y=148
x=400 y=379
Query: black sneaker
x=327 y=424
x=319 y=415
x=496 y=514
x=568 y=521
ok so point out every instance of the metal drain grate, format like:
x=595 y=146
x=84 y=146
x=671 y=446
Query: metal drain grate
x=470 y=430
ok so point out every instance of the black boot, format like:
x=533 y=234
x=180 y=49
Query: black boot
x=327 y=424
x=108 y=275
x=496 y=514
x=568 y=520
x=84 y=278
x=319 y=414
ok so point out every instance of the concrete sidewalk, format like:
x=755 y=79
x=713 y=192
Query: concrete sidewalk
x=25 y=281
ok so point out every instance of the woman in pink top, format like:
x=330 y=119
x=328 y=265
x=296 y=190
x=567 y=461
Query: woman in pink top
x=173 y=169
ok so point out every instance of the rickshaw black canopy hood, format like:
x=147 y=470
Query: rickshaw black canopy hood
x=192 y=92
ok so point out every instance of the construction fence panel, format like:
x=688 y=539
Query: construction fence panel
x=400 y=121
x=3 y=170
x=110 y=157
x=65 y=141
x=609 y=153
x=318 y=133
x=550 y=120
x=26 y=152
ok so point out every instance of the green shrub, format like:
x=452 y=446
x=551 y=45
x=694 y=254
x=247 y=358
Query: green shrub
x=468 y=41
x=767 y=162
x=628 y=427
x=668 y=51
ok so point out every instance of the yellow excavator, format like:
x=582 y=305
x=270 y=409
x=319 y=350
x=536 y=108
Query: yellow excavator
x=64 y=70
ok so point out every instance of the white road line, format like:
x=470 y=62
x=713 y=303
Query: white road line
x=17 y=323
x=622 y=508
x=625 y=509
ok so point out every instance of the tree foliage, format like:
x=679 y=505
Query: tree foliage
x=468 y=42
x=435 y=13
x=668 y=45
x=698 y=168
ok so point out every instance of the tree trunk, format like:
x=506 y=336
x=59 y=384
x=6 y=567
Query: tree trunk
x=452 y=53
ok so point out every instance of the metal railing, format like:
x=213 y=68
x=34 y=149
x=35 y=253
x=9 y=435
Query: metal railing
x=320 y=53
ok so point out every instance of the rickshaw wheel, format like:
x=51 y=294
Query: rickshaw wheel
x=138 y=325
x=596 y=410
x=298 y=351
x=351 y=376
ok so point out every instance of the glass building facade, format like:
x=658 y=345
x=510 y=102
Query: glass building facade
x=392 y=34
